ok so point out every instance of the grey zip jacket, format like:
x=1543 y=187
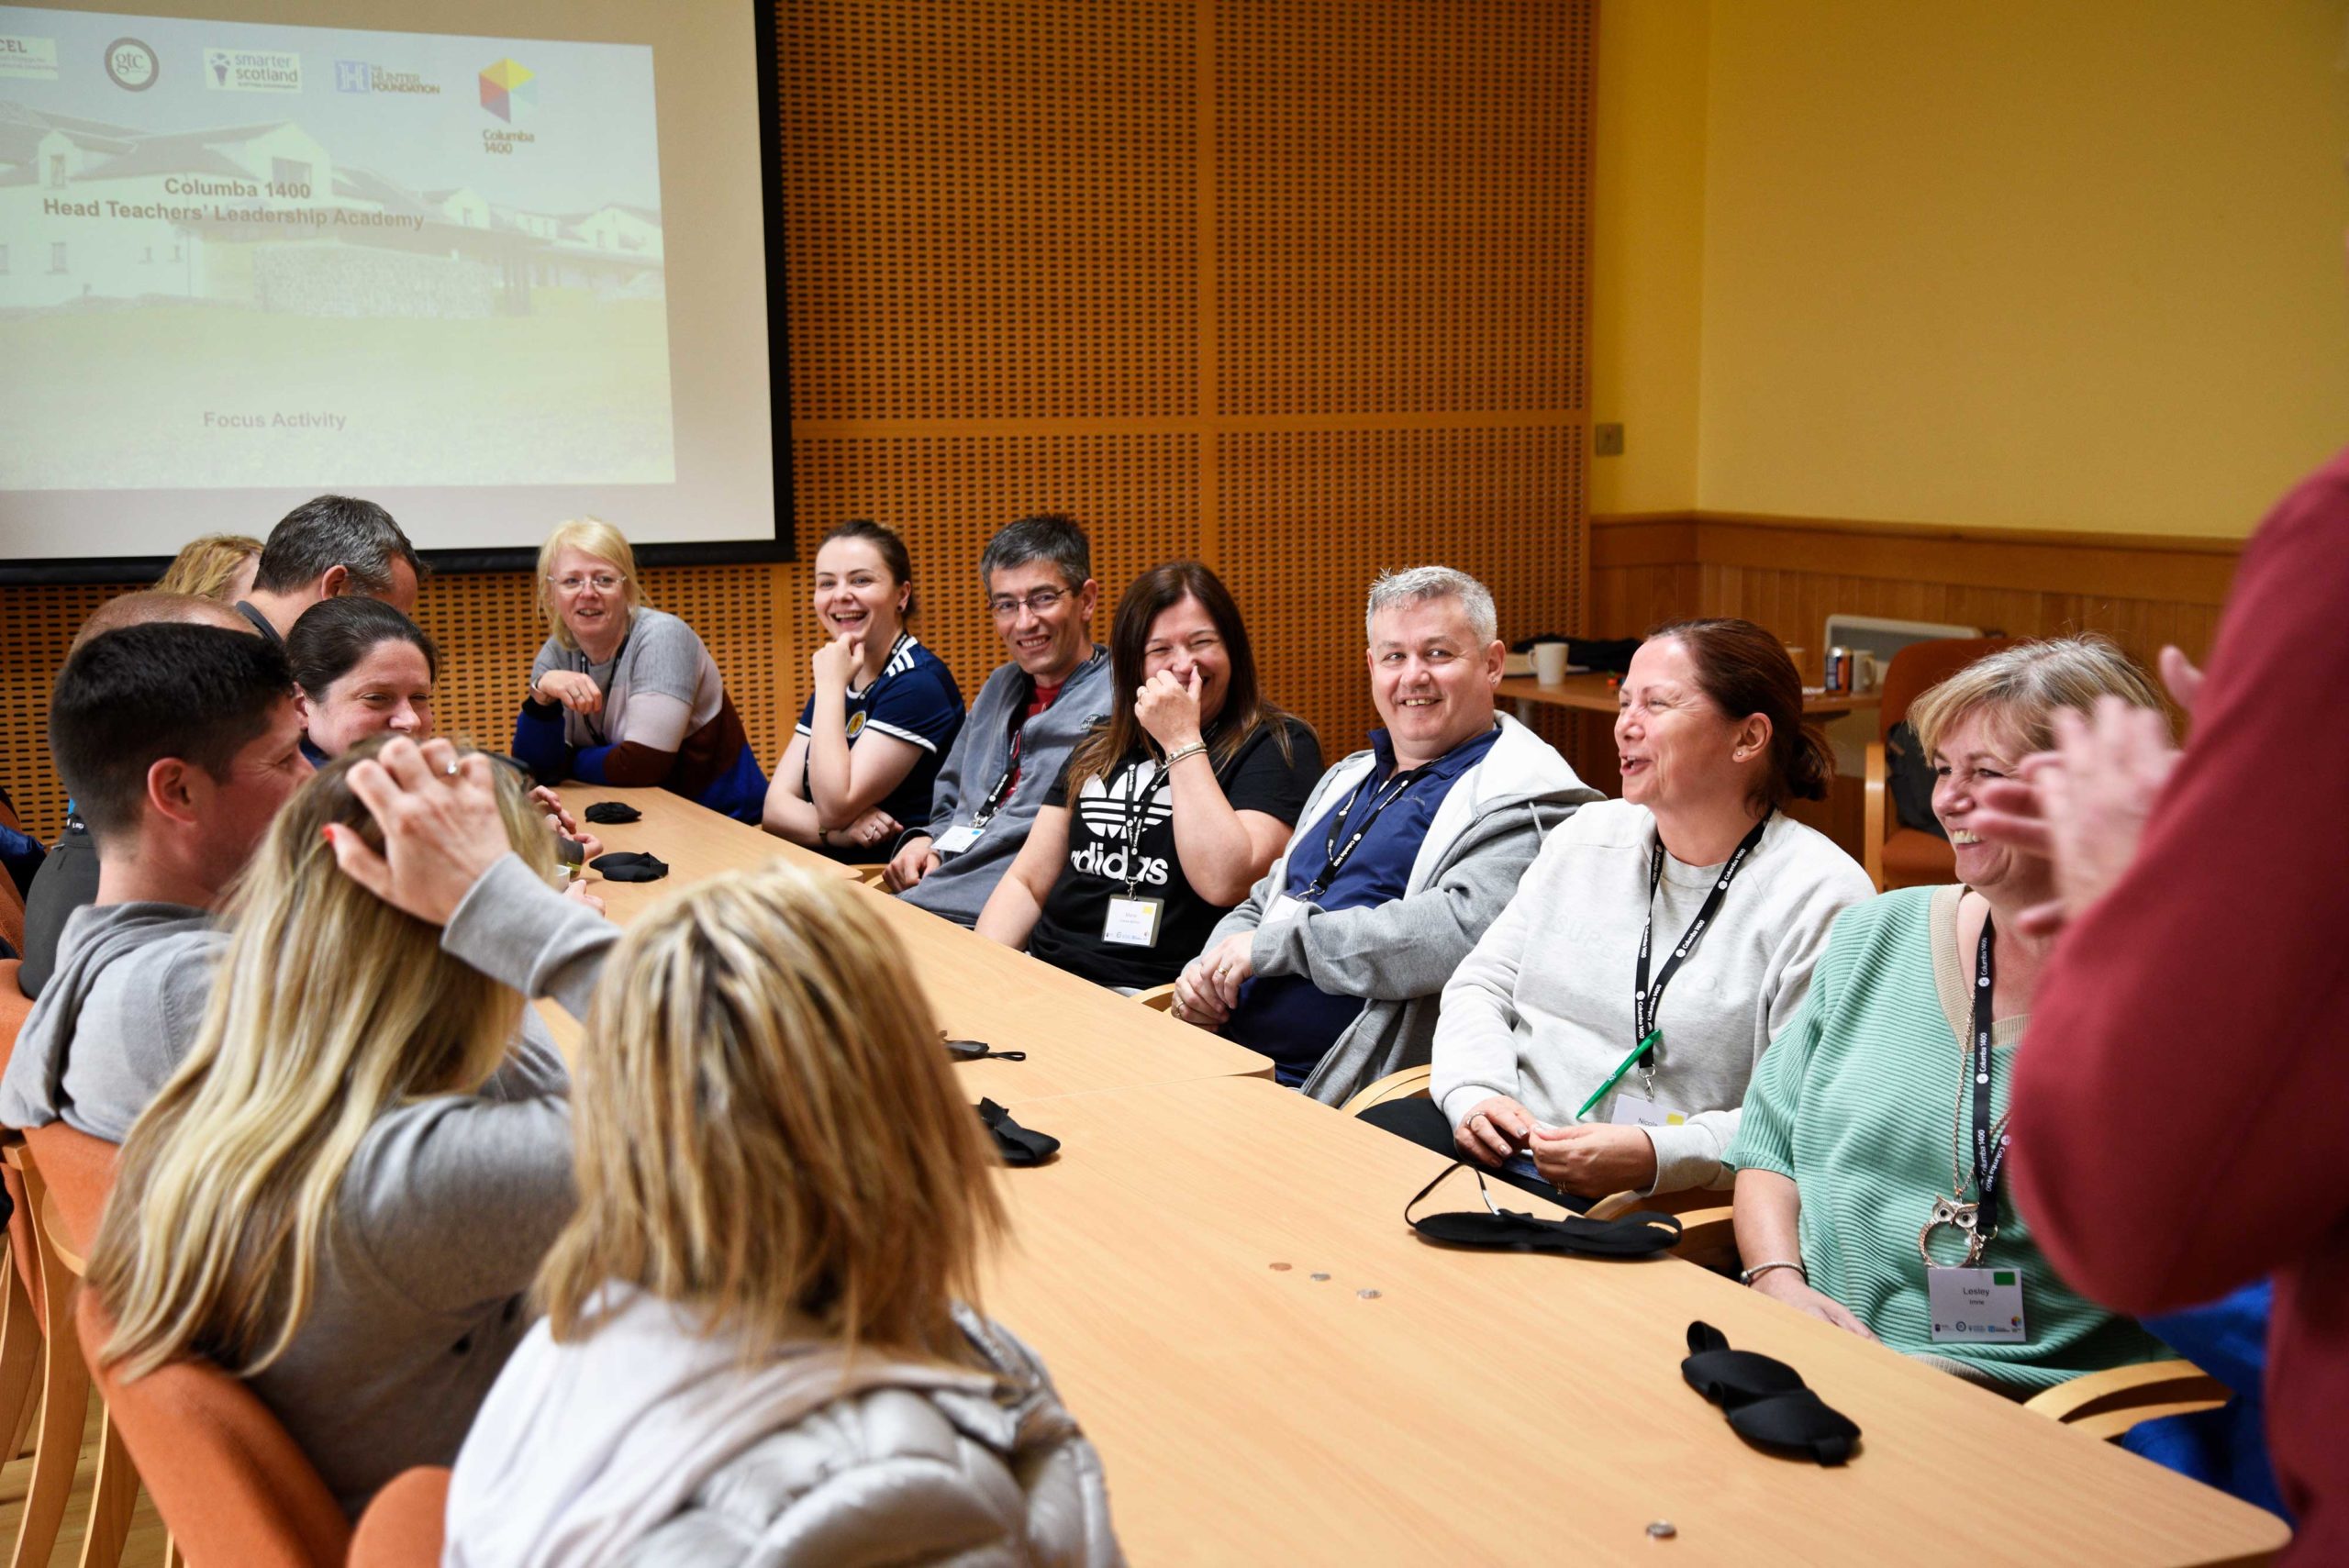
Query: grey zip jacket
x=1397 y=956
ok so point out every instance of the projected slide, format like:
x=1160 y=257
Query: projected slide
x=238 y=255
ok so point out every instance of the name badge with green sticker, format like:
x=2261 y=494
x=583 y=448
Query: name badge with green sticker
x=1975 y=1307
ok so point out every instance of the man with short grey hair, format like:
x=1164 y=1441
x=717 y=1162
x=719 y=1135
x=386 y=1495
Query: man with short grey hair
x=1334 y=965
x=327 y=546
x=1037 y=573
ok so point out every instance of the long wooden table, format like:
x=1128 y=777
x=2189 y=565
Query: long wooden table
x=1478 y=1407
x=1194 y=1269
x=1079 y=1037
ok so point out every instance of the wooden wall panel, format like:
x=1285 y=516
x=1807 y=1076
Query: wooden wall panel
x=1294 y=286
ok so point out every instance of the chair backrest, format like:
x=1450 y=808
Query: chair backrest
x=407 y=1523
x=78 y=1172
x=229 y=1483
x=12 y=918
x=1921 y=667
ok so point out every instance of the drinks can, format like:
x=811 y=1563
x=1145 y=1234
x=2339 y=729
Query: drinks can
x=1839 y=669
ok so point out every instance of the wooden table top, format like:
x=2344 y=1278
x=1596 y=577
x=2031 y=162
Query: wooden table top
x=1487 y=1407
x=1079 y=1037
x=1593 y=694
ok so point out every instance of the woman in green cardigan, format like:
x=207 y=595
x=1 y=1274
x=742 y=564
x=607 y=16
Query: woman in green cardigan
x=1871 y=1187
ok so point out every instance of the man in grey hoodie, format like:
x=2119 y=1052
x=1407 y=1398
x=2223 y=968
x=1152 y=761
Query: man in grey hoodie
x=1335 y=963
x=1037 y=573
x=179 y=743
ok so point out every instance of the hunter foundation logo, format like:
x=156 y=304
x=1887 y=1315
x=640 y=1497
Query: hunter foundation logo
x=365 y=76
x=508 y=91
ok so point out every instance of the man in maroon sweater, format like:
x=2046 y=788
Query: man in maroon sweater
x=2181 y=1114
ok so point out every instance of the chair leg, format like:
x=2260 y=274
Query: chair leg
x=172 y=1558
x=20 y=1359
x=65 y=1404
x=112 y=1498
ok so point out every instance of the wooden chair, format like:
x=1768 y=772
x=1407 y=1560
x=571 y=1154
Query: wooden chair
x=12 y=903
x=64 y=1375
x=1410 y=1083
x=229 y=1483
x=20 y=1328
x=114 y=1492
x=1910 y=857
x=2104 y=1405
x=406 y=1524
x=1706 y=1237
x=1158 y=998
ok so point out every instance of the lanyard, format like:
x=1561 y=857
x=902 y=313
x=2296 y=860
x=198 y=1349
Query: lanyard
x=1648 y=1000
x=1335 y=857
x=595 y=730
x=993 y=801
x=1137 y=821
x=1989 y=1138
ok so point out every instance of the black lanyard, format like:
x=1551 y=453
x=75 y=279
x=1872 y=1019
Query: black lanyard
x=587 y=722
x=1020 y=719
x=1334 y=858
x=1989 y=1140
x=1137 y=820
x=1646 y=999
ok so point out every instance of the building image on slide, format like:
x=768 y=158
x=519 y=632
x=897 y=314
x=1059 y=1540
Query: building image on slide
x=387 y=248
x=346 y=260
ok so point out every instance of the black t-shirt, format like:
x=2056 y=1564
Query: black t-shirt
x=1104 y=857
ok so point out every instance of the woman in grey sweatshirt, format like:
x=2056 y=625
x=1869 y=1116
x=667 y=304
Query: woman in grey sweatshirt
x=344 y=1191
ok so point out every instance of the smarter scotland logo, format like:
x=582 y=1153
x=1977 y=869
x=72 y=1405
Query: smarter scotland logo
x=509 y=91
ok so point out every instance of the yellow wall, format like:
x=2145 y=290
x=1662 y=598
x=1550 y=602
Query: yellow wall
x=2070 y=265
x=1647 y=248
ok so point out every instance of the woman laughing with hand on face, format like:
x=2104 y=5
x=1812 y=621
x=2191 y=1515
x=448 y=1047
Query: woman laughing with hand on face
x=865 y=755
x=1168 y=813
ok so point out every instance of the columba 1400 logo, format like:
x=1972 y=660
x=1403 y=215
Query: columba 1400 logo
x=510 y=91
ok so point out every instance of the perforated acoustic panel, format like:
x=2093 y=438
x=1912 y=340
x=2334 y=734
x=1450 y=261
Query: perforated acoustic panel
x=1296 y=286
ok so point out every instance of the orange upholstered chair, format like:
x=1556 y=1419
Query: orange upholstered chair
x=1898 y=856
x=404 y=1527
x=229 y=1483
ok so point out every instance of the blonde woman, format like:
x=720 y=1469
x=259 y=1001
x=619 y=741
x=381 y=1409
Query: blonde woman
x=757 y=1347
x=345 y=1189
x=623 y=694
x=217 y=566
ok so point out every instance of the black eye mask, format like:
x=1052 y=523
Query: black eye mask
x=1018 y=1145
x=608 y=813
x=1766 y=1401
x=631 y=865
x=979 y=1051
x=1505 y=1230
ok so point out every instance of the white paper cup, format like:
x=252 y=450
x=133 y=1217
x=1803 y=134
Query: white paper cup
x=1550 y=663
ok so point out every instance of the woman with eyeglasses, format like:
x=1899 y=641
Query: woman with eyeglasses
x=1169 y=810
x=882 y=713
x=623 y=694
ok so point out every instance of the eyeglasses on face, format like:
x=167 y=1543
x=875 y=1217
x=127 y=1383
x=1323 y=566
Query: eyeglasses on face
x=605 y=583
x=1039 y=602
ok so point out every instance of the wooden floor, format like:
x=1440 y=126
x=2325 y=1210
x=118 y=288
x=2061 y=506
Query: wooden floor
x=143 y=1548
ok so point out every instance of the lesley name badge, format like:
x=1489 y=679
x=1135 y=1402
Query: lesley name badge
x=1975 y=1307
x=1631 y=1110
x=955 y=840
x=1132 y=922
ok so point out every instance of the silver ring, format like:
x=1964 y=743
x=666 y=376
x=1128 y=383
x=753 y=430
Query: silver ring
x=451 y=770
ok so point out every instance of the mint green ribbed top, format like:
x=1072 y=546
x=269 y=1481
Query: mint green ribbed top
x=1856 y=1099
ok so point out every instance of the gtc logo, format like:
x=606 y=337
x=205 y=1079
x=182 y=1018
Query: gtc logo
x=507 y=89
x=131 y=65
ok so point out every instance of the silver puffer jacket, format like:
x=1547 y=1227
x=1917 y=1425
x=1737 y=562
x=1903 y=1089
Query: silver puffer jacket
x=897 y=1475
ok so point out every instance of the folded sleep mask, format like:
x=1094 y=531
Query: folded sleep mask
x=1505 y=1230
x=607 y=813
x=1018 y=1145
x=631 y=865
x=1766 y=1401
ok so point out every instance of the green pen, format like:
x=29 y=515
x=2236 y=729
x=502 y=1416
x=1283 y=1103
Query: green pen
x=1617 y=1076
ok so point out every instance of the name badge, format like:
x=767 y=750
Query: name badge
x=1283 y=907
x=1975 y=1307
x=1132 y=922
x=955 y=840
x=1631 y=1110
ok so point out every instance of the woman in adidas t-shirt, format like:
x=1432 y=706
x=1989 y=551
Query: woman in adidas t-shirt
x=866 y=751
x=1166 y=815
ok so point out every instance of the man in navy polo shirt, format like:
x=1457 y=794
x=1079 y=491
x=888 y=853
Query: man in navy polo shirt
x=1336 y=963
